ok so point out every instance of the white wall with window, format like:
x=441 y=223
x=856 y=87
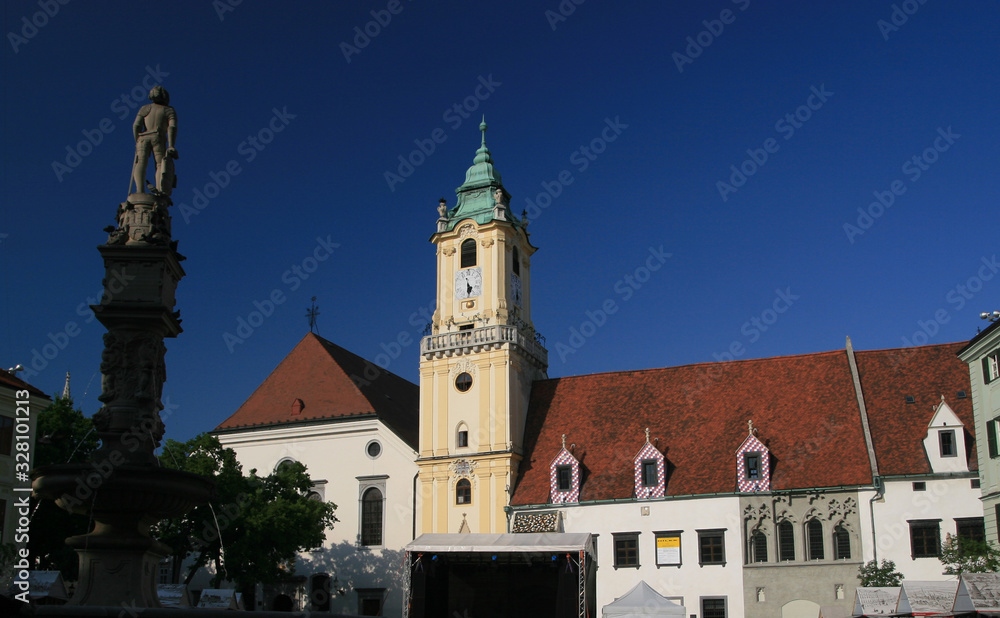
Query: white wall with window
x=685 y=549
x=368 y=472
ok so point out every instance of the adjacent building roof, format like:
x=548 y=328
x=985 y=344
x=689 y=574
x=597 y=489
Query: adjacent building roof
x=13 y=382
x=804 y=409
x=321 y=381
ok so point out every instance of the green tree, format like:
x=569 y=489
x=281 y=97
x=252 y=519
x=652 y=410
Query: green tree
x=263 y=522
x=63 y=435
x=964 y=555
x=873 y=574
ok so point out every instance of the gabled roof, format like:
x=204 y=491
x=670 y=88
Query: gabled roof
x=332 y=384
x=805 y=407
x=925 y=373
x=13 y=382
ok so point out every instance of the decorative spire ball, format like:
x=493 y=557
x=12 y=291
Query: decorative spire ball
x=483 y=154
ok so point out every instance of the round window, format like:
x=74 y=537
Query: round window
x=374 y=449
x=463 y=382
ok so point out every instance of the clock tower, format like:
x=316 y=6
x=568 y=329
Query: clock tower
x=478 y=362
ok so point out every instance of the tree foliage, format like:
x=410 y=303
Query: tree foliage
x=873 y=574
x=263 y=522
x=964 y=555
x=65 y=435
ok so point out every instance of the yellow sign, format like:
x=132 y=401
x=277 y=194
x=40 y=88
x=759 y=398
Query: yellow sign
x=668 y=550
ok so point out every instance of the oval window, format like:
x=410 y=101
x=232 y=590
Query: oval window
x=374 y=449
x=463 y=382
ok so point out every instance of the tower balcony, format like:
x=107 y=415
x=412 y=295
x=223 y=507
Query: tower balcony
x=482 y=339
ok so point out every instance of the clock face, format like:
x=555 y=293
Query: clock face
x=468 y=283
x=515 y=289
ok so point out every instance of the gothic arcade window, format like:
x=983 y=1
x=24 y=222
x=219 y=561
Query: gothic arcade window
x=371 y=517
x=463 y=492
x=814 y=536
x=758 y=546
x=841 y=543
x=468 y=253
x=786 y=541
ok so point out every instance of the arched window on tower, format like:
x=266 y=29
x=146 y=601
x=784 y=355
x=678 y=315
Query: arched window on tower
x=468 y=253
x=463 y=492
x=515 y=262
x=841 y=543
x=371 y=518
x=814 y=536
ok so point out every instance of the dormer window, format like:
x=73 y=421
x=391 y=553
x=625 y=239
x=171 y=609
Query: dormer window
x=946 y=437
x=564 y=478
x=751 y=466
x=650 y=476
x=468 y=253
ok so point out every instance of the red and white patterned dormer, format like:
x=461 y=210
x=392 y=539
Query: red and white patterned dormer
x=753 y=464
x=645 y=485
x=564 y=477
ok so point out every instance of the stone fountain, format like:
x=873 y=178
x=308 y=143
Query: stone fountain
x=123 y=489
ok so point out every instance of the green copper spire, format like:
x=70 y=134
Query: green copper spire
x=482 y=196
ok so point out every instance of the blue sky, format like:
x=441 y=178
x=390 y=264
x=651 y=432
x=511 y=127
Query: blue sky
x=698 y=168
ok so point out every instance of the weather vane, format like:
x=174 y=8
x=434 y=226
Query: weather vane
x=311 y=314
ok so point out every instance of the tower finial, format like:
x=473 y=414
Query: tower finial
x=65 y=394
x=647 y=434
x=750 y=426
x=482 y=127
x=564 y=441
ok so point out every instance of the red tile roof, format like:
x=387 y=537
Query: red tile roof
x=332 y=383
x=898 y=428
x=804 y=407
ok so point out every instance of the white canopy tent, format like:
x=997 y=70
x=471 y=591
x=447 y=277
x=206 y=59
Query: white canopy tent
x=640 y=601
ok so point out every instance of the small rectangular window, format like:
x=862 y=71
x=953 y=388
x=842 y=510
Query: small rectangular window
x=712 y=547
x=947 y=439
x=919 y=486
x=974 y=483
x=751 y=464
x=564 y=478
x=650 y=475
x=713 y=607
x=925 y=538
x=626 y=550
x=463 y=438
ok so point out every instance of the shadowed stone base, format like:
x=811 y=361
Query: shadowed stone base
x=117 y=568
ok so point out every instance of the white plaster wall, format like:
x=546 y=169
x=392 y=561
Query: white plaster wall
x=335 y=453
x=690 y=580
x=944 y=499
